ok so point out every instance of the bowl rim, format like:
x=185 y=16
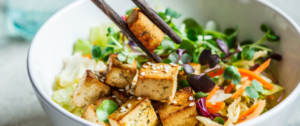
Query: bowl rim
x=48 y=100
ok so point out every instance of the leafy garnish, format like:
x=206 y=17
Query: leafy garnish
x=188 y=69
x=172 y=13
x=188 y=46
x=96 y=52
x=105 y=109
x=248 y=53
x=203 y=82
x=206 y=58
x=125 y=57
x=184 y=83
x=193 y=28
x=219 y=120
x=180 y=52
x=232 y=73
x=251 y=92
x=167 y=61
x=257 y=86
x=223 y=46
x=199 y=95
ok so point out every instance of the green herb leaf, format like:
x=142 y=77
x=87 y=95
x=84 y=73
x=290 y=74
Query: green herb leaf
x=246 y=42
x=172 y=13
x=105 y=109
x=232 y=73
x=200 y=94
x=248 y=53
x=216 y=79
x=96 y=52
x=128 y=12
x=219 y=120
x=257 y=86
x=264 y=28
x=167 y=45
x=167 y=61
x=163 y=16
x=273 y=37
x=251 y=92
x=192 y=34
x=130 y=59
x=184 y=83
x=196 y=55
x=191 y=23
x=110 y=31
x=122 y=56
x=188 y=46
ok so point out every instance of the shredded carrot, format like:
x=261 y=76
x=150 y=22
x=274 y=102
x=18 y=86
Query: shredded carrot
x=217 y=73
x=241 y=90
x=229 y=88
x=212 y=92
x=262 y=67
x=214 y=108
x=253 y=111
x=88 y=56
x=270 y=97
x=252 y=75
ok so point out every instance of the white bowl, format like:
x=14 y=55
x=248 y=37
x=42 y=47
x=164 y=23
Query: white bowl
x=57 y=36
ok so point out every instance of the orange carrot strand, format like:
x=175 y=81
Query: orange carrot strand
x=214 y=108
x=241 y=90
x=252 y=75
x=229 y=88
x=262 y=67
x=212 y=92
x=253 y=111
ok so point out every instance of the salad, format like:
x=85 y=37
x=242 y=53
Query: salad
x=211 y=78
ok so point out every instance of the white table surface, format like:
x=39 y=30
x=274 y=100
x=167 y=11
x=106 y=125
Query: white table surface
x=19 y=105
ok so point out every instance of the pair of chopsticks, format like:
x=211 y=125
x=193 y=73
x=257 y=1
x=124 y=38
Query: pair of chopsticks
x=149 y=12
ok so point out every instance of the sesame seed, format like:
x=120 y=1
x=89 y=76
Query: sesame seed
x=173 y=64
x=154 y=71
x=192 y=104
x=149 y=63
x=132 y=92
x=161 y=66
x=144 y=66
x=139 y=98
x=103 y=78
x=127 y=87
x=123 y=108
x=174 y=102
x=143 y=73
x=153 y=68
x=158 y=67
x=128 y=105
x=121 y=90
x=133 y=86
x=114 y=96
x=119 y=101
x=153 y=64
x=130 y=97
x=191 y=98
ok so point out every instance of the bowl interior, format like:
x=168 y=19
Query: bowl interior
x=56 y=38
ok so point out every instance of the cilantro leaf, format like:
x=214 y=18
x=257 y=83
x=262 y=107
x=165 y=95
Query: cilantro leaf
x=251 y=92
x=231 y=73
x=248 y=53
x=257 y=86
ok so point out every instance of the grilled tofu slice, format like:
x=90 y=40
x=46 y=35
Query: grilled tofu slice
x=89 y=113
x=119 y=74
x=196 y=67
x=180 y=113
x=158 y=81
x=89 y=89
x=145 y=30
x=135 y=112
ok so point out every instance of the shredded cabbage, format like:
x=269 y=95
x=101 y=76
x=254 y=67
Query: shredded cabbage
x=63 y=97
x=82 y=46
x=74 y=68
x=219 y=96
x=234 y=111
x=207 y=121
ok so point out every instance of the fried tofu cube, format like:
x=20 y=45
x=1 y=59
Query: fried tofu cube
x=158 y=81
x=137 y=111
x=180 y=113
x=89 y=113
x=197 y=71
x=144 y=29
x=119 y=74
x=89 y=89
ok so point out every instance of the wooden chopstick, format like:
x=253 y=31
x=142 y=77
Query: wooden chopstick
x=154 y=17
x=109 y=12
